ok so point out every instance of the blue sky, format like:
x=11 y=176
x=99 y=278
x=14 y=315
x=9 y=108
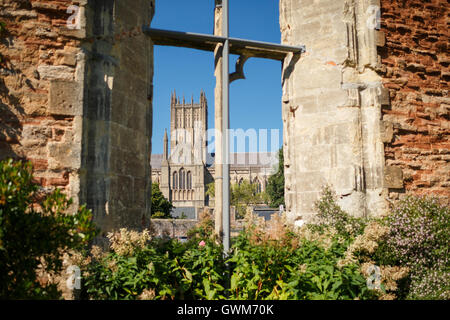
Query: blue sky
x=254 y=102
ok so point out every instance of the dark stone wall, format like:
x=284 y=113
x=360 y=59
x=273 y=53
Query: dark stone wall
x=118 y=109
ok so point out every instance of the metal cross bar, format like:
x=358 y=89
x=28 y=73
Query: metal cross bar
x=207 y=42
x=244 y=48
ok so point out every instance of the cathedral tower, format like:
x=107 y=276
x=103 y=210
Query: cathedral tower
x=183 y=168
x=188 y=125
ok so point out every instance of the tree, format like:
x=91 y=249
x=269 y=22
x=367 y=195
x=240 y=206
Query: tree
x=275 y=185
x=211 y=189
x=244 y=195
x=161 y=207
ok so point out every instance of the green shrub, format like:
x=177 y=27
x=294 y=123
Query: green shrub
x=289 y=264
x=330 y=259
x=244 y=195
x=157 y=268
x=330 y=214
x=35 y=231
x=160 y=205
x=285 y=266
x=275 y=185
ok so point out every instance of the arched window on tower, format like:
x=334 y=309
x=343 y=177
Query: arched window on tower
x=189 y=180
x=182 y=179
x=175 y=181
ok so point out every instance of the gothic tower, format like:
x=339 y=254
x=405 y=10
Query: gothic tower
x=188 y=125
x=183 y=168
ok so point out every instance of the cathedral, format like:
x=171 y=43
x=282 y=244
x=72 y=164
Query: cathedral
x=184 y=172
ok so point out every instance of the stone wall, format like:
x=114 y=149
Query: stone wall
x=41 y=63
x=118 y=114
x=332 y=99
x=416 y=72
x=178 y=228
x=78 y=102
x=366 y=108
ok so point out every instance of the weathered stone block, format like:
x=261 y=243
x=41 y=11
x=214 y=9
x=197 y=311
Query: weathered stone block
x=393 y=177
x=47 y=72
x=387 y=131
x=63 y=155
x=385 y=99
x=380 y=38
x=66 y=98
x=67 y=57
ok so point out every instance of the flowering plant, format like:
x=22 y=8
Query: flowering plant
x=332 y=258
x=419 y=239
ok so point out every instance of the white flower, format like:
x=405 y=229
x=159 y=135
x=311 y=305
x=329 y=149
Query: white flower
x=299 y=223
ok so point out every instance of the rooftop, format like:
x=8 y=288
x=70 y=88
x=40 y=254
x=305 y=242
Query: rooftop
x=237 y=160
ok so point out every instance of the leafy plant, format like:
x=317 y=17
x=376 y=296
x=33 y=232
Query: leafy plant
x=330 y=214
x=35 y=231
x=162 y=269
x=274 y=270
x=211 y=189
x=329 y=259
x=2 y=28
x=275 y=185
x=160 y=205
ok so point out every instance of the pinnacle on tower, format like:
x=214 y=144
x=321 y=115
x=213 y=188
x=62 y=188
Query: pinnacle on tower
x=166 y=145
x=174 y=99
x=202 y=98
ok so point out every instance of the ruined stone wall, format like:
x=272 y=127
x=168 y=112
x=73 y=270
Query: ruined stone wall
x=118 y=113
x=40 y=90
x=416 y=72
x=77 y=103
x=332 y=99
x=366 y=108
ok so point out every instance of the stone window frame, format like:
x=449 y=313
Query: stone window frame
x=175 y=180
x=182 y=179
x=189 y=180
x=258 y=185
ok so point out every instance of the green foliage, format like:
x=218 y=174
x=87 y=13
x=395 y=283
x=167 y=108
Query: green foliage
x=166 y=268
x=196 y=270
x=211 y=189
x=274 y=270
x=325 y=260
x=275 y=185
x=35 y=231
x=2 y=28
x=330 y=214
x=160 y=205
x=243 y=195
